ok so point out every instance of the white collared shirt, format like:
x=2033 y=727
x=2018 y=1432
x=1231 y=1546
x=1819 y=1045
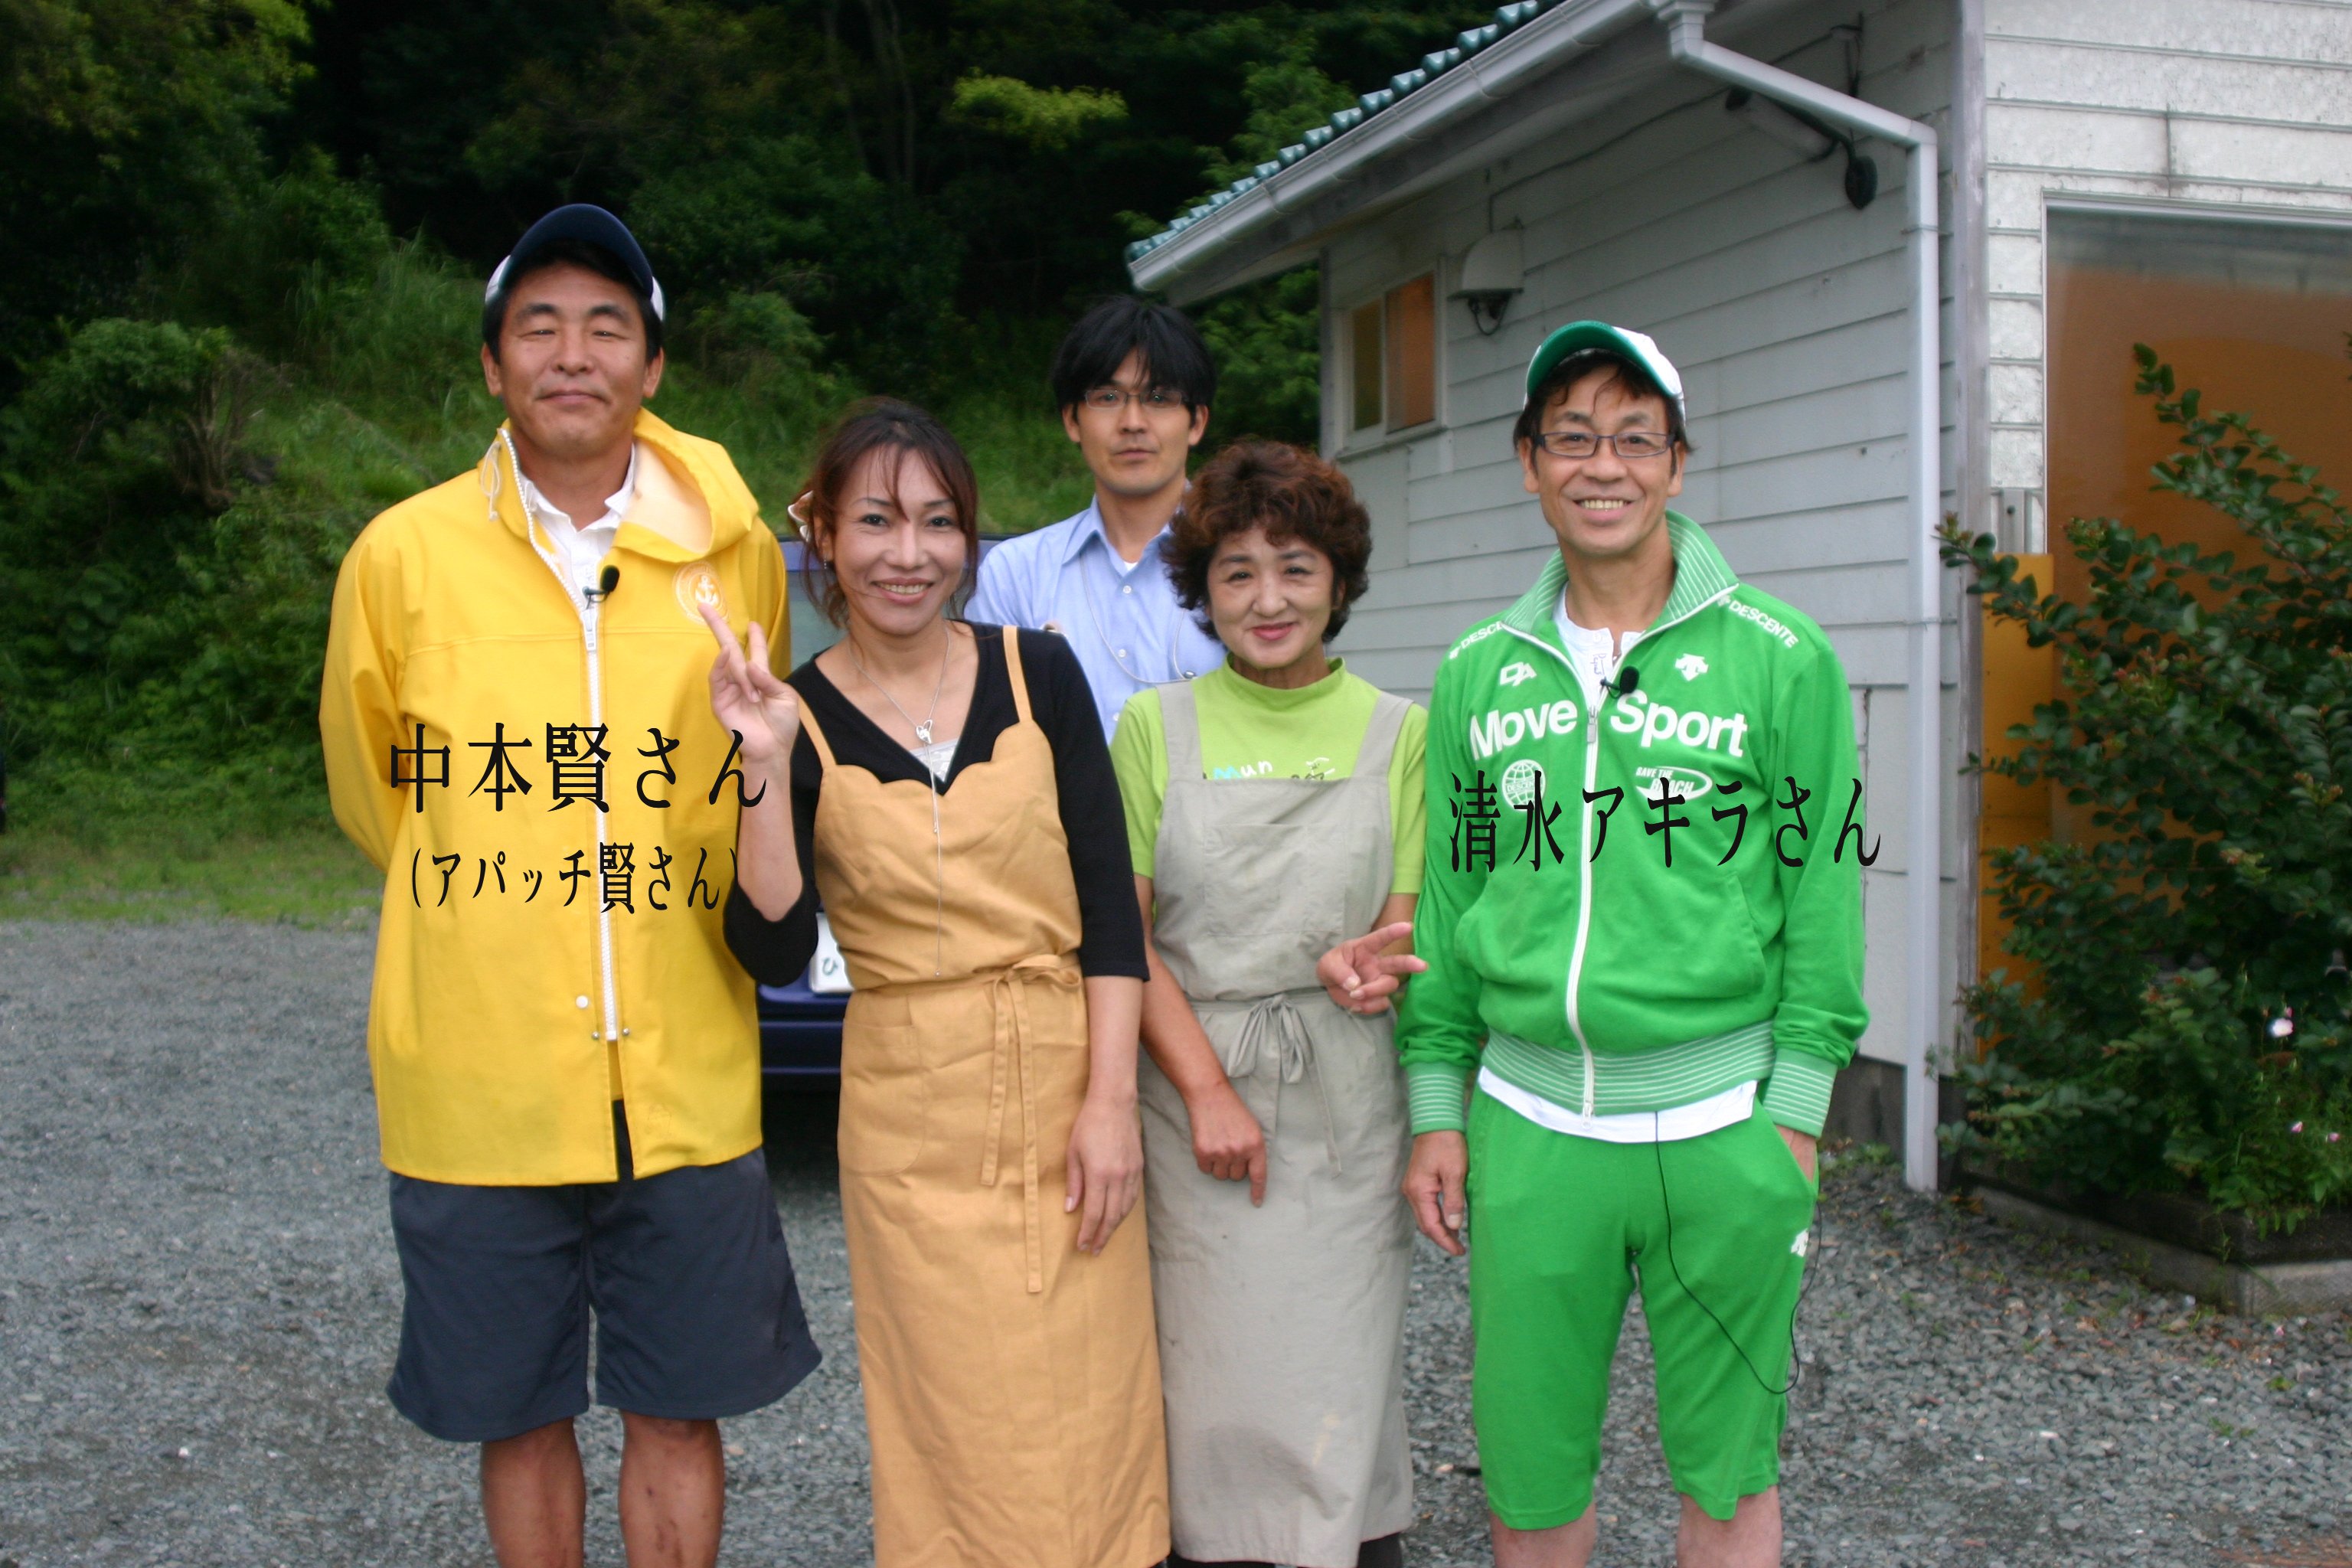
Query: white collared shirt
x=583 y=548
x=1120 y=618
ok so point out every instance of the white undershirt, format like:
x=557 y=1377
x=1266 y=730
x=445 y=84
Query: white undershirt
x=939 y=756
x=584 y=549
x=1596 y=656
x=1695 y=1119
x=1591 y=652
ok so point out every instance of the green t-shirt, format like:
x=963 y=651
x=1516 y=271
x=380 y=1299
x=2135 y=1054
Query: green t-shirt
x=1252 y=732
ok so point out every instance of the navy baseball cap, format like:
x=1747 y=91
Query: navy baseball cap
x=590 y=224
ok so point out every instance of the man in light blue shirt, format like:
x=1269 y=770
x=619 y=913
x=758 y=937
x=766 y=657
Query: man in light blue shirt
x=1134 y=381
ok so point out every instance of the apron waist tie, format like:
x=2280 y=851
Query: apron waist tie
x=1009 y=1056
x=1273 y=1037
x=1008 y=997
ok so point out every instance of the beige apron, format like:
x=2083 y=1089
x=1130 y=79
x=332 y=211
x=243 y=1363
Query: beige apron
x=1281 y=1328
x=1012 y=1385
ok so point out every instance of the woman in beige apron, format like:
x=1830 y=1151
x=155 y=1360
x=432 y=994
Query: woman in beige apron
x=1274 y=1122
x=965 y=854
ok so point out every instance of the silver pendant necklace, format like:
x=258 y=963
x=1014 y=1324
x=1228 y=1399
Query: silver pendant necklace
x=923 y=730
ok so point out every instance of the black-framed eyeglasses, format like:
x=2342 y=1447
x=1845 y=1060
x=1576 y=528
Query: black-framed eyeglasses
x=1633 y=446
x=1152 y=400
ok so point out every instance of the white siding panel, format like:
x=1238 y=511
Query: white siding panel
x=1488 y=531
x=2048 y=137
x=2013 y=393
x=2014 y=264
x=1688 y=159
x=1411 y=627
x=2264 y=154
x=1802 y=542
x=2161 y=81
x=1844 y=595
x=1764 y=267
x=2014 y=459
x=1802 y=481
x=2015 y=329
x=1489 y=406
x=1406 y=673
x=1871 y=410
x=1874 y=656
x=2261 y=29
x=1378 y=480
x=1794 y=366
x=1597 y=249
x=1811 y=306
x=1882 y=925
x=1471 y=487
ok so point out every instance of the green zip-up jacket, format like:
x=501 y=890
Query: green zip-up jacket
x=1565 y=953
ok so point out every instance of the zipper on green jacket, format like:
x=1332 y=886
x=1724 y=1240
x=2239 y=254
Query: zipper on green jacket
x=1551 y=585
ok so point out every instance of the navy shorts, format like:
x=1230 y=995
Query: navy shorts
x=686 y=1274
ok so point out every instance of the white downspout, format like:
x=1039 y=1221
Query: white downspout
x=1685 y=23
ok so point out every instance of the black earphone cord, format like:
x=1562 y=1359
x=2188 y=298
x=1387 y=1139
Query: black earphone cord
x=1796 y=1367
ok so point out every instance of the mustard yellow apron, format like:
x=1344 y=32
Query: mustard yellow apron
x=1012 y=1383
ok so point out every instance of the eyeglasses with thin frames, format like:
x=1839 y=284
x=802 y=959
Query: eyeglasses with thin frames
x=1153 y=400
x=1631 y=445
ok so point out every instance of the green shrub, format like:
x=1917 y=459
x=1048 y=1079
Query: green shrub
x=2192 y=1028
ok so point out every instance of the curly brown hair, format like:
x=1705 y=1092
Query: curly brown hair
x=1292 y=494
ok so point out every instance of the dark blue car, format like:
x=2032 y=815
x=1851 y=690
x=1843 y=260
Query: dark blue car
x=800 y=1026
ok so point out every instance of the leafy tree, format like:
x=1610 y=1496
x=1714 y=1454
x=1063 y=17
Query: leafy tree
x=2192 y=1022
x=125 y=127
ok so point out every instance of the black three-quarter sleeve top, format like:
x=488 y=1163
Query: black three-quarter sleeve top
x=1110 y=926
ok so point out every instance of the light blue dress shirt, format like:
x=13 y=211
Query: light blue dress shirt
x=1123 y=622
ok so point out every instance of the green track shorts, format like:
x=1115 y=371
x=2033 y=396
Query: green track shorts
x=1561 y=1230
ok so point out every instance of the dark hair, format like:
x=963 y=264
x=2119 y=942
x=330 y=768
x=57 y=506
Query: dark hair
x=870 y=425
x=1628 y=374
x=570 y=253
x=1119 y=326
x=1293 y=495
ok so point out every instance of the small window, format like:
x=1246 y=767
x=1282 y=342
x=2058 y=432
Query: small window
x=1412 y=354
x=1393 y=340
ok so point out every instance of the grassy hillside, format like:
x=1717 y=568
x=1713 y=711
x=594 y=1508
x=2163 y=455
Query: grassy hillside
x=192 y=499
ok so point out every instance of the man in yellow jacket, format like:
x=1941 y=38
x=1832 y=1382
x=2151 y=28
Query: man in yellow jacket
x=518 y=730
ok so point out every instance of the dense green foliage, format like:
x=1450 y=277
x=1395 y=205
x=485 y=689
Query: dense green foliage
x=2192 y=1022
x=242 y=243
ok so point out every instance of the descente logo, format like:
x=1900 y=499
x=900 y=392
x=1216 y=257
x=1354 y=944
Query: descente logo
x=1481 y=635
x=1505 y=727
x=1750 y=613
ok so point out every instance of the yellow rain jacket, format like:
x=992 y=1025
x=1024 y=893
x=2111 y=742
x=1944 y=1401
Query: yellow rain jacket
x=540 y=957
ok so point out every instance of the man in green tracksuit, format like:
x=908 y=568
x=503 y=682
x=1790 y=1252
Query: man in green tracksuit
x=1641 y=927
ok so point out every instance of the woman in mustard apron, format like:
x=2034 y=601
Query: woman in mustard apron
x=1274 y=813
x=952 y=801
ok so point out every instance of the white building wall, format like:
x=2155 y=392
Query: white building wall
x=1785 y=310
x=2230 y=106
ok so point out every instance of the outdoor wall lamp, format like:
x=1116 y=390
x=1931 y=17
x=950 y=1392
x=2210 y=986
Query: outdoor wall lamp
x=1801 y=131
x=1493 y=272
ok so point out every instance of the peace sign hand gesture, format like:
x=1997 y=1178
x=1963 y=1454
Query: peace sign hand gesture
x=748 y=699
x=1359 y=976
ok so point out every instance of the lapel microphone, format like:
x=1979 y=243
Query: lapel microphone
x=1628 y=682
x=606 y=581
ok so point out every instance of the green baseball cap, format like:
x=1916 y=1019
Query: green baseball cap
x=1639 y=348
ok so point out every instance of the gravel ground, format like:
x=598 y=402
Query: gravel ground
x=198 y=1306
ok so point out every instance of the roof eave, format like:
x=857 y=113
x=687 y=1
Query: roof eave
x=1188 y=265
